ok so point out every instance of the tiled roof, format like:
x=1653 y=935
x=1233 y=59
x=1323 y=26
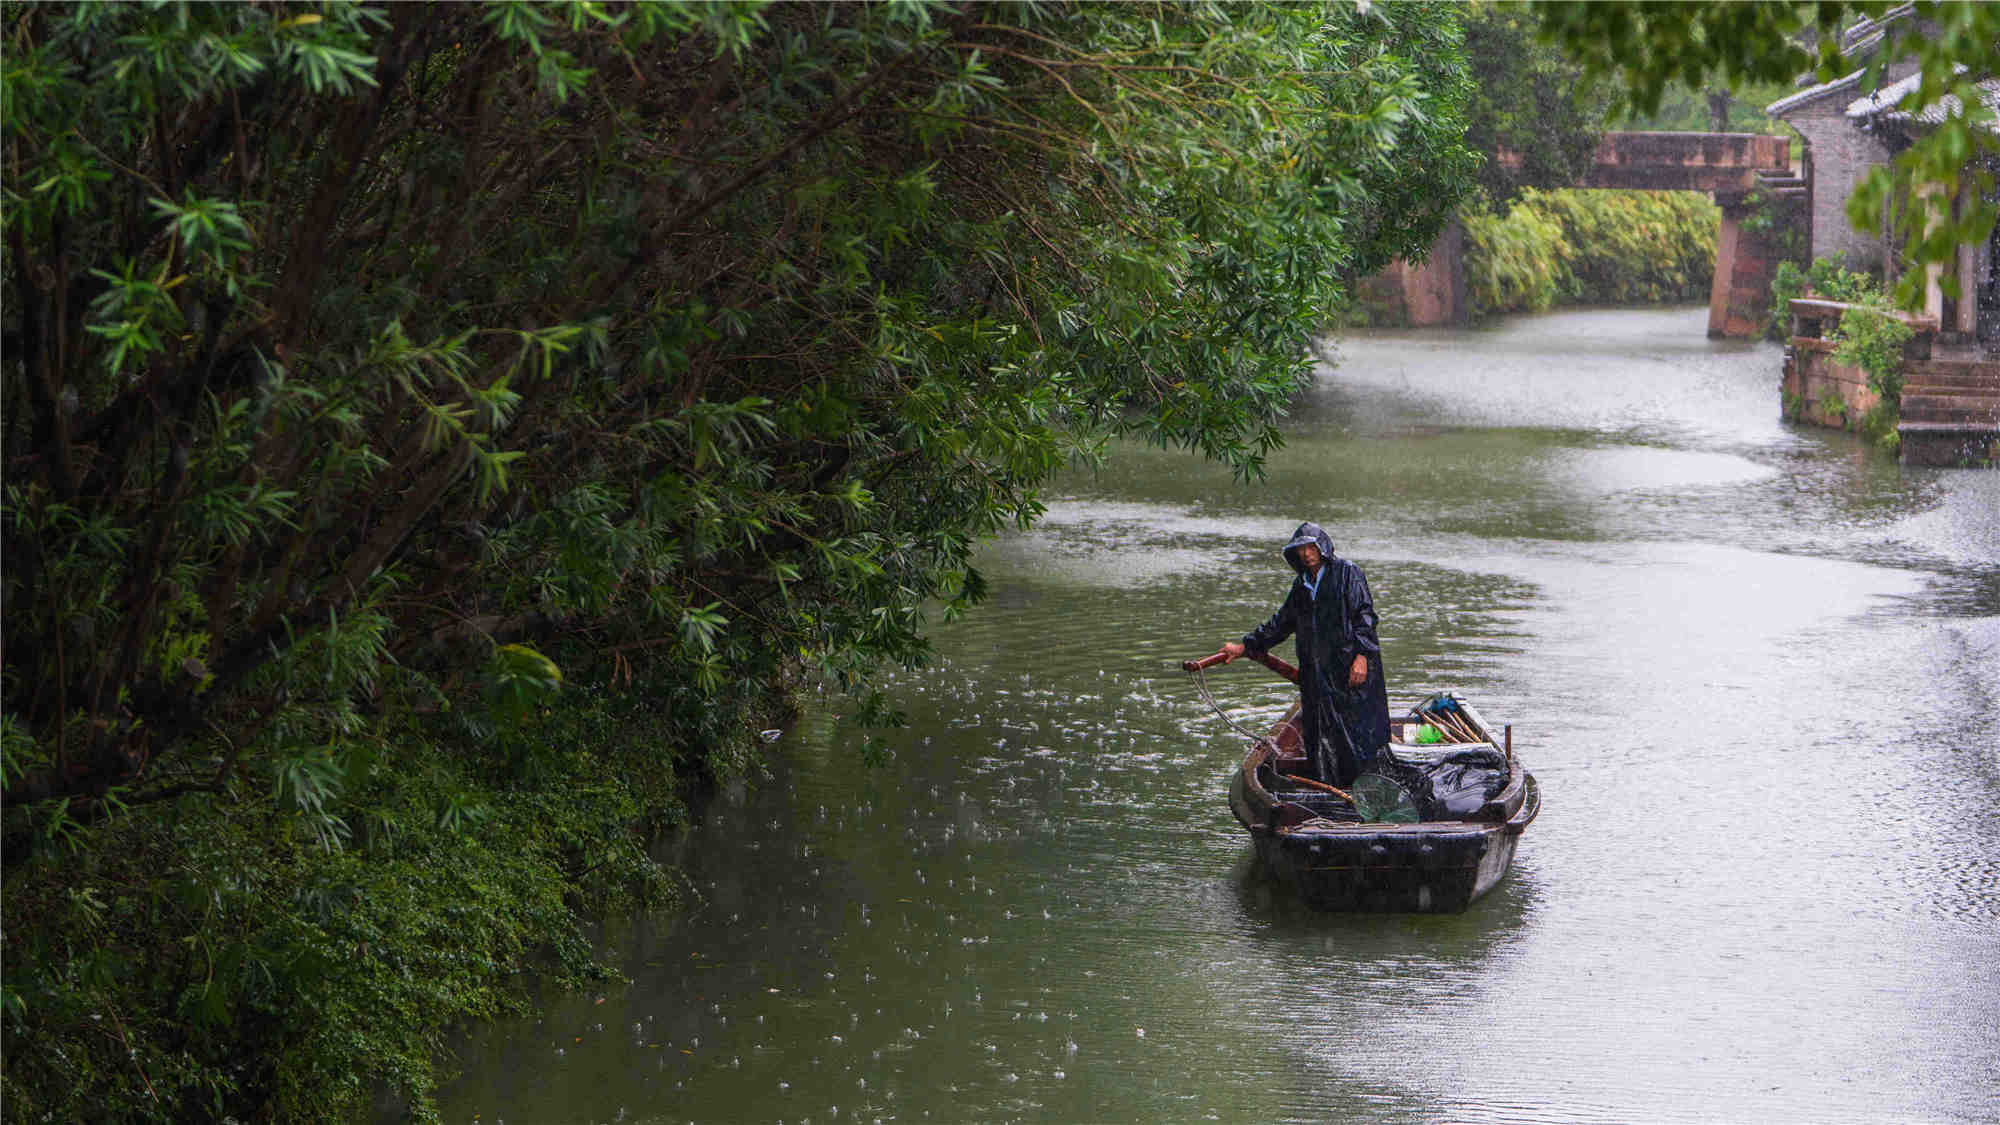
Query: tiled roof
x=1858 y=41
x=1839 y=85
x=1884 y=103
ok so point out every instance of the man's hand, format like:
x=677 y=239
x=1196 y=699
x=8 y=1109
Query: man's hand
x=1231 y=650
x=1358 y=674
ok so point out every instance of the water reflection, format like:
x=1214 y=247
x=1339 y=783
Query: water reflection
x=1755 y=668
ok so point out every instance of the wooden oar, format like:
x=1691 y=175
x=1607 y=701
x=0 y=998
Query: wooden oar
x=1264 y=658
x=1321 y=785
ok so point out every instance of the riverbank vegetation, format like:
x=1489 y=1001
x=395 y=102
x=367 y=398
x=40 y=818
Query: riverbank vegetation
x=1869 y=338
x=436 y=435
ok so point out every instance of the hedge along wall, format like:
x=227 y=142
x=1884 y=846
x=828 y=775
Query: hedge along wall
x=1581 y=246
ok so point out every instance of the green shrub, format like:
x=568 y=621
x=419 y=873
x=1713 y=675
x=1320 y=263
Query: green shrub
x=1634 y=247
x=357 y=357
x=1770 y=218
x=1870 y=338
x=1513 y=263
x=1873 y=341
x=1826 y=278
x=1589 y=246
x=142 y=964
x=1792 y=405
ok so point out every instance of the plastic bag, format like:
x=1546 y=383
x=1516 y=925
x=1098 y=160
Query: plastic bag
x=1462 y=782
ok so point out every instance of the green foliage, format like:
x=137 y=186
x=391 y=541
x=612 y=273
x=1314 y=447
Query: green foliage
x=1514 y=263
x=198 y=960
x=1870 y=337
x=1651 y=49
x=1792 y=405
x=1528 y=102
x=1826 y=278
x=358 y=357
x=454 y=315
x=1583 y=246
x=1788 y=283
x=1683 y=109
x=1648 y=247
x=1867 y=337
x=1873 y=341
x=1934 y=196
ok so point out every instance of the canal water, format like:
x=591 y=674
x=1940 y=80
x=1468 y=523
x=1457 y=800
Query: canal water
x=1756 y=668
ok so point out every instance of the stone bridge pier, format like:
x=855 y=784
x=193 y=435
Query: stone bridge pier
x=1729 y=167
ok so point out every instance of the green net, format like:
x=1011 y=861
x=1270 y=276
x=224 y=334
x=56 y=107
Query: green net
x=1381 y=801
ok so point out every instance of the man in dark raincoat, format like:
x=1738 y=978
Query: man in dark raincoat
x=1344 y=705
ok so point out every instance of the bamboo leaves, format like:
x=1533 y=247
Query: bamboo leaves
x=134 y=315
x=308 y=782
x=208 y=228
x=325 y=67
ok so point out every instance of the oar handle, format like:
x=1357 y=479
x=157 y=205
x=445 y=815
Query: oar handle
x=1264 y=658
x=1320 y=785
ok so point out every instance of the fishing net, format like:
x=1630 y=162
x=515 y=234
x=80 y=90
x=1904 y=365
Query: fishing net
x=1379 y=799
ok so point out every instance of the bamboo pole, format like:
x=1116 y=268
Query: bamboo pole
x=1463 y=728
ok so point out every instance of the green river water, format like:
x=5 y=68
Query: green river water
x=1755 y=667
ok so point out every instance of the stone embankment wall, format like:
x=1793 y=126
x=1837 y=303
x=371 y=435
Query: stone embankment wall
x=1950 y=405
x=1427 y=293
x=1821 y=391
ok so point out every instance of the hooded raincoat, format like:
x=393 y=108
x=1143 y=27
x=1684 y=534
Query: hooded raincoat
x=1334 y=618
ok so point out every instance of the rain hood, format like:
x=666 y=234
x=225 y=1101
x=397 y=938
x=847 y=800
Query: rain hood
x=1308 y=533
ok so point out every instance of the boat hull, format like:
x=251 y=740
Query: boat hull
x=1439 y=867
x=1430 y=867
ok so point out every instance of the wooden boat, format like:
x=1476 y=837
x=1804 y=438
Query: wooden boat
x=1316 y=842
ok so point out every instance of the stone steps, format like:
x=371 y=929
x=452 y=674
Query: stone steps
x=1971 y=379
x=1951 y=385
x=1958 y=371
x=1959 y=409
x=1955 y=392
x=1946 y=445
x=1951 y=413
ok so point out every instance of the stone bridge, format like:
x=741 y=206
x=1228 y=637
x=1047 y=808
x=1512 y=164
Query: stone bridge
x=1728 y=166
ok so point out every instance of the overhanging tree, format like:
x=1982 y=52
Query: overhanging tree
x=1528 y=101
x=354 y=356
x=715 y=331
